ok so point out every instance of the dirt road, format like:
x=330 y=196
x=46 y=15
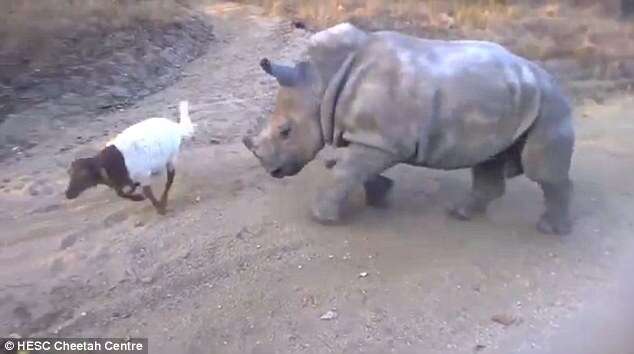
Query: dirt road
x=238 y=267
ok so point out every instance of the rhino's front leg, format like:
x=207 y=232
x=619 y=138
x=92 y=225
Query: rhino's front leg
x=487 y=185
x=357 y=165
x=376 y=190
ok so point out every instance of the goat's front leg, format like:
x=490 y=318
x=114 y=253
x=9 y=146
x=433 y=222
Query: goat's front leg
x=171 y=173
x=147 y=192
x=356 y=165
x=130 y=195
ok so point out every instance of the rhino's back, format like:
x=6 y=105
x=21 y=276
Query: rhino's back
x=443 y=104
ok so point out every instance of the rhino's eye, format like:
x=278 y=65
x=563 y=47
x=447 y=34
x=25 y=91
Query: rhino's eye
x=285 y=132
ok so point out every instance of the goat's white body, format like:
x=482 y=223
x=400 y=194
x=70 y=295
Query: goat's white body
x=149 y=146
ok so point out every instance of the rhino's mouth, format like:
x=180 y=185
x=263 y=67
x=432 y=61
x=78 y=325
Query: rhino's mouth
x=286 y=170
x=277 y=173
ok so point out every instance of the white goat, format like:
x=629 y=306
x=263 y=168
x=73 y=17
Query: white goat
x=133 y=158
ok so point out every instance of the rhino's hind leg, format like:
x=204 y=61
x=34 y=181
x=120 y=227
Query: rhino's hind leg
x=556 y=218
x=377 y=189
x=487 y=185
x=546 y=160
x=356 y=165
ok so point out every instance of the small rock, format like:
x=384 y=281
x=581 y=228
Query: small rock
x=219 y=307
x=139 y=223
x=33 y=191
x=69 y=241
x=214 y=141
x=504 y=319
x=14 y=336
x=300 y=266
x=84 y=314
x=147 y=280
x=258 y=246
x=329 y=315
x=331 y=256
x=363 y=274
x=479 y=348
x=197 y=200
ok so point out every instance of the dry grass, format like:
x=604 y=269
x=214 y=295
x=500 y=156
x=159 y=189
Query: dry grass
x=473 y=13
x=586 y=32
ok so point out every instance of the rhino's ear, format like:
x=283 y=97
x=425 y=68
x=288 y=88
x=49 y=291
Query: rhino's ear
x=285 y=75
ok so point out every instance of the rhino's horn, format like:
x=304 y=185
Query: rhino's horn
x=285 y=75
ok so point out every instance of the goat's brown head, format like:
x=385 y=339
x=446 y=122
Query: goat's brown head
x=84 y=174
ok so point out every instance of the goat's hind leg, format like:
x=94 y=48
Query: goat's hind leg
x=147 y=192
x=171 y=173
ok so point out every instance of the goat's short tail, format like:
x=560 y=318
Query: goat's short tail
x=187 y=127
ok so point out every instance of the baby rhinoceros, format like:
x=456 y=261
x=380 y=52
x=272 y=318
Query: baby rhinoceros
x=384 y=98
x=133 y=158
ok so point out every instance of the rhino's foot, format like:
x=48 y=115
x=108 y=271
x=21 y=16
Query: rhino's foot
x=467 y=210
x=326 y=213
x=554 y=226
x=464 y=212
x=376 y=191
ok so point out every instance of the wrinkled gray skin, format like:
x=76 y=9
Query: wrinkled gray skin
x=384 y=98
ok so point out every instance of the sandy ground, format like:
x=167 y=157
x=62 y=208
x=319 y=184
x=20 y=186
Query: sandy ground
x=237 y=266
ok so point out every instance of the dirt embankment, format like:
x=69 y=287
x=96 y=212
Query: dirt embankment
x=94 y=55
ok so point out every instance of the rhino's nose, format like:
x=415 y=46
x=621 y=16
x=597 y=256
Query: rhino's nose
x=248 y=142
